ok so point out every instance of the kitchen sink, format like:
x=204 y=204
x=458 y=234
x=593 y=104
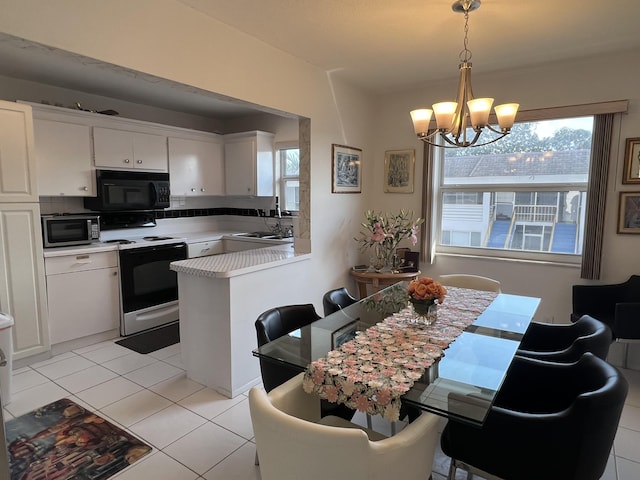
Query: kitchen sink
x=266 y=235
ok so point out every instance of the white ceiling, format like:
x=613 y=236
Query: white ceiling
x=385 y=45
x=379 y=45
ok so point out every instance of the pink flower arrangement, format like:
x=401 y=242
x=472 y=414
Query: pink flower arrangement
x=387 y=230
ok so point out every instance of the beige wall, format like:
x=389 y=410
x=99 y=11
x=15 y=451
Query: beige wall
x=167 y=39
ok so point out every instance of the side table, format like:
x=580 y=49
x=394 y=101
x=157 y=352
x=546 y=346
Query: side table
x=379 y=280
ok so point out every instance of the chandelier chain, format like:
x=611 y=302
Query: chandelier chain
x=465 y=53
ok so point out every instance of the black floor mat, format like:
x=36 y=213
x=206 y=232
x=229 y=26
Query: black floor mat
x=147 y=342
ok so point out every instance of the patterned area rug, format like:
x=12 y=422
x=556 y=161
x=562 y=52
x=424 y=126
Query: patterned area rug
x=63 y=441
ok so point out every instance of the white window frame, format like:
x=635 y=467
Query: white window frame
x=282 y=178
x=439 y=188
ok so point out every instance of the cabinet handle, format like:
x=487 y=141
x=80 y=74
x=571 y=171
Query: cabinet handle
x=126 y=160
x=115 y=274
x=83 y=259
x=202 y=189
x=85 y=188
x=138 y=161
x=193 y=189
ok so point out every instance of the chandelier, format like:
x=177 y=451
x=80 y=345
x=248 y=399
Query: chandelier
x=454 y=118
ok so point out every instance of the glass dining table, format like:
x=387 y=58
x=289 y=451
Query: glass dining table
x=462 y=383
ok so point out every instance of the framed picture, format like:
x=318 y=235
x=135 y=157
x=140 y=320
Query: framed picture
x=399 y=166
x=346 y=173
x=629 y=212
x=632 y=161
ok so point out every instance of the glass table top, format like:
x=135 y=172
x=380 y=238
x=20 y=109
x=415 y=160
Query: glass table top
x=461 y=384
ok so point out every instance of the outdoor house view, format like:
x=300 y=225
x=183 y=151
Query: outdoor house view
x=533 y=190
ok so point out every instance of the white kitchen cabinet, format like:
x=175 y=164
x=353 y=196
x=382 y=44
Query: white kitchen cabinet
x=22 y=283
x=124 y=149
x=202 y=249
x=249 y=163
x=83 y=295
x=63 y=153
x=196 y=167
x=18 y=181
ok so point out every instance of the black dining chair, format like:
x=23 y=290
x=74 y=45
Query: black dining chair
x=275 y=323
x=617 y=305
x=337 y=299
x=550 y=420
x=566 y=342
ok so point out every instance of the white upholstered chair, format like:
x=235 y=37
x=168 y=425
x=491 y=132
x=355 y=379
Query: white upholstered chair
x=470 y=281
x=293 y=442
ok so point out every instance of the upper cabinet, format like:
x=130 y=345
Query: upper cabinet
x=196 y=166
x=249 y=163
x=63 y=146
x=18 y=181
x=125 y=149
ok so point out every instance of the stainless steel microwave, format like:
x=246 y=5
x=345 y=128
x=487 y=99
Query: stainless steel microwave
x=67 y=230
x=120 y=190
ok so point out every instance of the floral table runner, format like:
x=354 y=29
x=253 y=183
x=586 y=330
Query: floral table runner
x=371 y=372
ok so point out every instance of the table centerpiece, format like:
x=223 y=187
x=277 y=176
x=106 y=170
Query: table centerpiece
x=383 y=232
x=425 y=294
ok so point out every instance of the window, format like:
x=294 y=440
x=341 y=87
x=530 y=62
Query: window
x=289 y=159
x=521 y=197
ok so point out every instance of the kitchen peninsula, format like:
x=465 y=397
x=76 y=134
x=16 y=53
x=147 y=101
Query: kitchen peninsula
x=220 y=298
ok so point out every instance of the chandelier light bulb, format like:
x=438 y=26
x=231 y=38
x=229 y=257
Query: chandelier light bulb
x=479 y=110
x=506 y=114
x=445 y=113
x=421 y=118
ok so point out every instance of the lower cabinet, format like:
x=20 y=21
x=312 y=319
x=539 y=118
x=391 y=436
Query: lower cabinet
x=202 y=249
x=83 y=294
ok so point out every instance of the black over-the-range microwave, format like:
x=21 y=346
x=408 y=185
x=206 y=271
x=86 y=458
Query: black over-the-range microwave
x=125 y=190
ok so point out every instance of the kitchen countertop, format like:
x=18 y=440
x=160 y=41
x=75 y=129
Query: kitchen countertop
x=239 y=263
x=189 y=237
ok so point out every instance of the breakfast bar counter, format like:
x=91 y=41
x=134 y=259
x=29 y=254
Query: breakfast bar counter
x=221 y=297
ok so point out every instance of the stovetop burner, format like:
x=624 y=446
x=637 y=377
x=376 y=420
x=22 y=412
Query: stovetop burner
x=153 y=238
x=120 y=241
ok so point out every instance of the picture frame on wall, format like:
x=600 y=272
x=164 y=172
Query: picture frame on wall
x=629 y=212
x=346 y=169
x=631 y=161
x=399 y=168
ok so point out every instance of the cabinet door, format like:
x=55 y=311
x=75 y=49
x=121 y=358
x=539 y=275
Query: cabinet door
x=150 y=151
x=196 y=167
x=240 y=167
x=125 y=149
x=22 y=284
x=112 y=148
x=63 y=153
x=83 y=303
x=18 y=181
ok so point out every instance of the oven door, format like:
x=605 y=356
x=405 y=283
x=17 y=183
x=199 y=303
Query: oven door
x=149 y=288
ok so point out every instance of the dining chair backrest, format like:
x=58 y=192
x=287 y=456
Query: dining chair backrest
x=475 y=282
x=550 y=420
x=274 y=323
x=566 y=342
x=337 y=299
x=292 y=444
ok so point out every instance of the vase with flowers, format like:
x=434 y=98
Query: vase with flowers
x=383 y=232
x=425 y=294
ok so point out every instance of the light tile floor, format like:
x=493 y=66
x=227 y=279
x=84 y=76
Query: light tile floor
x=197 y=433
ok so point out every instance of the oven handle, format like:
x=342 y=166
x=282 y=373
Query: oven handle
x=136 y=252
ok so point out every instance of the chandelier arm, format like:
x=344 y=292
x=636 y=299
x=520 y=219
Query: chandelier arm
x=501 y=131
